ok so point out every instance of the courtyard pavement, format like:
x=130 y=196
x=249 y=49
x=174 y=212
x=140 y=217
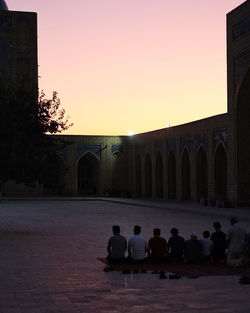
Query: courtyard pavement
x=49 y=250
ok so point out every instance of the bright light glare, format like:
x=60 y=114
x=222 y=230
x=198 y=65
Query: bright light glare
x=130 y=133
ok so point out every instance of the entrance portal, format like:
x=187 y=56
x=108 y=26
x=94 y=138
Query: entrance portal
x=117 y=174
x=202 y=178
x=88 y=175
x=55 y=178
x=138 y=176
x=148 y=176
x=171 y=176
x=159 y=176
x=220 y=172
x=185 y=175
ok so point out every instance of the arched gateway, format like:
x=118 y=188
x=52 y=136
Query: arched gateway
x=171 y=174
x=88 y=174
x=138 y=176
x=159 y=176
x=220 y=173
x=185 y=175
x=201 y=171
x=117 y=173
x=148 y=176
x=55 y=180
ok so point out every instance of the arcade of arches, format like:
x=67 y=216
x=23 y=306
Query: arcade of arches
x=205 y=159
x=169 y=189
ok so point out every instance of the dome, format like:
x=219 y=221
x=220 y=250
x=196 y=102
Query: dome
x=3 y=5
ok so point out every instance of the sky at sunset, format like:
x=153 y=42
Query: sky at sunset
x=122 y=65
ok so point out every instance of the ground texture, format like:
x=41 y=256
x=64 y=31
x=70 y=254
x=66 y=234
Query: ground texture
x=49 y=250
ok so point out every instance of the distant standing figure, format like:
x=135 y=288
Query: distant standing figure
x=219 y=240
x=176 y=246
x=137 y=247
x=236 y=242
x=117 y=246
x=157 y=248
x=207 y=246
x=193 y=251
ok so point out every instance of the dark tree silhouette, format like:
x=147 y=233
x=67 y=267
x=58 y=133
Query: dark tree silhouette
x=27 y=121
x=50 y=116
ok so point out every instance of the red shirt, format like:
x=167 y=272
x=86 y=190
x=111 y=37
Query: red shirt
x=157 y=247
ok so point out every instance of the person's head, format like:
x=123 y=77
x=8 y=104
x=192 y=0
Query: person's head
x=217 y=226
x=157 y=232
x=233 y=220
x=116 y=229
x=137 y=229
x=206 y=234
x=194 y=236
x=174 y=231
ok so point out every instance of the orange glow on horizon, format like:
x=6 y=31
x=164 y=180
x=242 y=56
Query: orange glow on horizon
x=132 y=65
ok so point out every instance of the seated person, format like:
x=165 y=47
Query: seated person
x=117 y=246
x=220 y=244
x=176 y=246
x=207 y=246
x=193 y=250
x=157 y=248
x=137 y=247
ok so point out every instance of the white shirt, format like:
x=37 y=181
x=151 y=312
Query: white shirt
x=237 y=237
x=207 y=246
x=137 y=247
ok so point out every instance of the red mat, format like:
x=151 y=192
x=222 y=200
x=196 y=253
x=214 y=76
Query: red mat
x=214 y=269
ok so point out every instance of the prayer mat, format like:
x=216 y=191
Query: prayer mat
x=183 y=269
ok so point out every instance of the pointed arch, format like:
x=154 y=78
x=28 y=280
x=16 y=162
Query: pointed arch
x=138 y=176
x=56 y=168
x=243 y=140
x=201 y=173
x=171 y=168
x=220 y=172
x=88 y=174
x=185 y=175
x=159 y=175
x=117 y=173
x=148 y=176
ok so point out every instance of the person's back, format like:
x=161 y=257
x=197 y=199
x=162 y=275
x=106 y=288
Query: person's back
x=157 y=247
x=219 y=241
x=193 y=251
x=236 y=239
x=207 y=246
x=117 y=246
x=176 y=246
x=137 y=246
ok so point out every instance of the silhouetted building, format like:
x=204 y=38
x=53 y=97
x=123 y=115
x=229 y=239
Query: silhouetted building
x=206 y=160
x=18 y=43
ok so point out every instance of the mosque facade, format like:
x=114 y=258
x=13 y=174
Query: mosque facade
x=207 y=160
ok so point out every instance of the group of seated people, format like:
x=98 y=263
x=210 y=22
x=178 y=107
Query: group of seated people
x=218 y=247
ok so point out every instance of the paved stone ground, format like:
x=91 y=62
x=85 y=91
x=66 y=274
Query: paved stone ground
x=48 y=264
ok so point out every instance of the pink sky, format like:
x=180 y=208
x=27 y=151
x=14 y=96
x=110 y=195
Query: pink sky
x=132 y=65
